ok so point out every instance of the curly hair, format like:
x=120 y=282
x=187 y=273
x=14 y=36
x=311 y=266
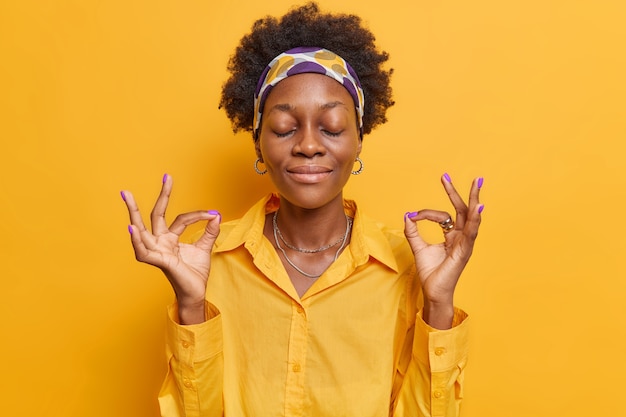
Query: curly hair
x=306 y=26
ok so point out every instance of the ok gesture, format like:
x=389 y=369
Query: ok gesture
x=186 y=266
x=439 y=266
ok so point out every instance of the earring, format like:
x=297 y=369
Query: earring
x=256 y=167
x=358 y=171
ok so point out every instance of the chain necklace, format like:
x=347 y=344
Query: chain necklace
x=302 y=250
x=343 y=241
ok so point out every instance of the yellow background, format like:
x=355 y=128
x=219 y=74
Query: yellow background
x=97 y=96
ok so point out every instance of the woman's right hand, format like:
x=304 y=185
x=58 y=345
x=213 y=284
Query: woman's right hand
x=186 y=266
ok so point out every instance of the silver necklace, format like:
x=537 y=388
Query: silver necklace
x=344 y=239
x=303 y=250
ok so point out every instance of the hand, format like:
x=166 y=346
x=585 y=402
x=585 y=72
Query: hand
x=439 y=266
x=186 y=266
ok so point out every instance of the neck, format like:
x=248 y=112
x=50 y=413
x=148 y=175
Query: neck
x=312 y=228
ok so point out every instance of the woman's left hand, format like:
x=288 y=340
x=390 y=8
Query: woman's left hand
x=439 y=266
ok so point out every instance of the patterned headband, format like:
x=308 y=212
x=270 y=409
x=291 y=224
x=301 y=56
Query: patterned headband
x=307 y=59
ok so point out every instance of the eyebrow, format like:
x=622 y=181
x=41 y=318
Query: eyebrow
x=285 y=107
x=332 y=105
x=282 y=107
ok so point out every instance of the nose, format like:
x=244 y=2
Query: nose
x=309 y=143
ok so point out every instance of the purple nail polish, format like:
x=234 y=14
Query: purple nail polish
x=164 y=178
x=447 y=177
x=481 y=208
x=216 y=213
x=411 y=214
x=130 y=229
x=123 y=195
x=480 y=182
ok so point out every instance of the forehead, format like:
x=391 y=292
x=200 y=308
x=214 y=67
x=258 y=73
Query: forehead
x=307 y=87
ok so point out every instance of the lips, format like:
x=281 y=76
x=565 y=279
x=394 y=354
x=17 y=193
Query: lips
x=308 y=169
x=309 y=173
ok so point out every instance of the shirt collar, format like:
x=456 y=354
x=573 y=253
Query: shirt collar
x=367 y=237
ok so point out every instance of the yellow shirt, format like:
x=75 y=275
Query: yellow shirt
x=354 y=345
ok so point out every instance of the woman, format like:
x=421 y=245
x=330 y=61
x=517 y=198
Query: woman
x=304 y=306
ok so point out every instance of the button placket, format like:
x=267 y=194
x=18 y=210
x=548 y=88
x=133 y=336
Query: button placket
x=294 y=390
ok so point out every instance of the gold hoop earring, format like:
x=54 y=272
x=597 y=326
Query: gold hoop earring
x=358 y=171
x=256 y=167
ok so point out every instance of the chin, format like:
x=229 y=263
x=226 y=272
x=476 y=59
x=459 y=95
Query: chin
x=310 y=198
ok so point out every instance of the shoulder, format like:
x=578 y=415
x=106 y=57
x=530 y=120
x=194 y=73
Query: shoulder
x=248 y=228
x=387 y=244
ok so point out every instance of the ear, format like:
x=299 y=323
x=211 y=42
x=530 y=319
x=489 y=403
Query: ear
x=359 y=147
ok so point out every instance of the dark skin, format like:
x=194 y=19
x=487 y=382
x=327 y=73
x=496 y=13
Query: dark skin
x=308 y=142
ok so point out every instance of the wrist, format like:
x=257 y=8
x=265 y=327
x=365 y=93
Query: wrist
x=191 y=312
x=438 y=315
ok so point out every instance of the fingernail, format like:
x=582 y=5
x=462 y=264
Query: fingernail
x=123 y=195
x=481 y=208
x=447 y=177
x=164 y=178
x=480 y=182
x=215 y=213
x=410 y=214
x=130 y=229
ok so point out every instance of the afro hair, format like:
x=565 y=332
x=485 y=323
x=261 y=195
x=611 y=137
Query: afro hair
x=306 y=26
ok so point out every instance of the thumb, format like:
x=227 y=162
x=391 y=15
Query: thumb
x=211 y=231
x=412 y=234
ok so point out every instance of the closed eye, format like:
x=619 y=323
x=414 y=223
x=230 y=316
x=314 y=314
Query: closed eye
x=284 y=134
x=332 y=134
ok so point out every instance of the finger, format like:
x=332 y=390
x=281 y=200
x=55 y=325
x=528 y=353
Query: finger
x=473 y=222
x=432 y=215
x=474 y=196
x=157 y=216
x=133 y=211
x=211 y=231
x=463 y=243
x=139 y=230
x=184 y=220
x=475 y=209
x=442 y=218
x=143 y=245
x=459 y=205
x=141 y=252
x=460 y=250
x=412 y=234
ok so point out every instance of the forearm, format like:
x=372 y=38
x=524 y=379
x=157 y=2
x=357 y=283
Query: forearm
x=193 y=385
x=432 y=384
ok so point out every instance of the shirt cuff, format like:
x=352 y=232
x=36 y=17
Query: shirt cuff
x=195 y=342
x=442 y=349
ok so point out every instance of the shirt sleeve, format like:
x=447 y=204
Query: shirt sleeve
x=194 y=380
x=433 y=383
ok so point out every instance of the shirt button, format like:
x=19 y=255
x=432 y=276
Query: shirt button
x=300 y=310
x=437 y=394
x=440 y=351
x=187 y=383
x=186 y=344
x=296 y=367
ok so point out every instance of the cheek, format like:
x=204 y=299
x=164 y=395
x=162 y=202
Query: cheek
x=347 y=152
x=271 y=152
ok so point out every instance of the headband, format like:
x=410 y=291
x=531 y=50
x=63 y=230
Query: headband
x=307 y=59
